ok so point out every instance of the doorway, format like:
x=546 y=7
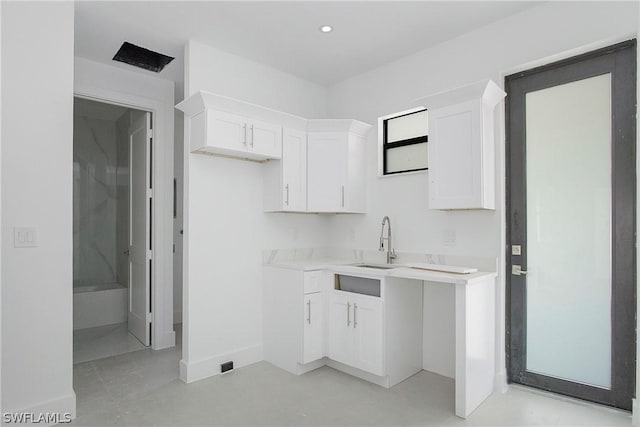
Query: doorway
x=112 y=229
x=571 y=196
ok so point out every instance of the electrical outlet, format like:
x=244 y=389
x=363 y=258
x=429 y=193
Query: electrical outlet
x=449 y=237
x=226 y=367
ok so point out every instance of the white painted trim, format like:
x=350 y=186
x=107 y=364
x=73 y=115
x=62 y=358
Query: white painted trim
x=635 y=418
x=163 y=335
x=205 y=368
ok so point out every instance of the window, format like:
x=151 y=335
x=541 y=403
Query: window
x=404 y=142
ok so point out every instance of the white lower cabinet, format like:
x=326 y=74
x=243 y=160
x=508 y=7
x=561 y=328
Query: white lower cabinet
x=313 y=318
x=294 y=318
x=313 y=348
x=356 y=331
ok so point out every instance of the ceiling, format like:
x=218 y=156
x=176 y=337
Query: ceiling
x=285 y=34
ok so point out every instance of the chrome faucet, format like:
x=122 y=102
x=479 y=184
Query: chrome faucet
x=391 y=253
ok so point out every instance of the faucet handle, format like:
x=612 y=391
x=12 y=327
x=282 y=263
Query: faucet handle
x=393 y=254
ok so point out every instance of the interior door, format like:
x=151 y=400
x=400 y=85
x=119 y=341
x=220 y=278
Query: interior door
x=571 y=202
x=139 y=319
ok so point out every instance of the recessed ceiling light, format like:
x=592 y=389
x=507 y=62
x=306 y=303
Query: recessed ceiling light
x=326 y=28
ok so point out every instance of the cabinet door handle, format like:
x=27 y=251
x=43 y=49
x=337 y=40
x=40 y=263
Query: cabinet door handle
x=286 y=187
x=355 y=311
x=244 y=132
x=343 y=196
x=251 y=135
x=348 y=314
x=309 y=317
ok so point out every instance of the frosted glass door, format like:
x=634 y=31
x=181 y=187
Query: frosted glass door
x=568 y=166
x=571 y=222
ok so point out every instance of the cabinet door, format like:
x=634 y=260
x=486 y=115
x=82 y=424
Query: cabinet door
x=327 y=166
x=294 y=170
x=368 y=335
x=313 y=330
x=265 y=139
x=226 y=131
x=340 y=329
x=455 y=157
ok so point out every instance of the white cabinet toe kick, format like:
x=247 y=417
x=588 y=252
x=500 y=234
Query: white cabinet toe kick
x=370 y=325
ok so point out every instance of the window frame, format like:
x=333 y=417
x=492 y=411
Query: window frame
x=384 y=145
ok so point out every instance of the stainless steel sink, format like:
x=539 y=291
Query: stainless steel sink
x=378 y=266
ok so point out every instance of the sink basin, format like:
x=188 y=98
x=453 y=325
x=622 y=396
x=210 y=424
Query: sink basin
x=378 y=266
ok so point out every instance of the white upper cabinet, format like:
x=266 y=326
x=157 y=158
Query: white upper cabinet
x=265 y=139
x=285 y=180
x=313 y=165
x=223 y=130
x=461 y=146
x=224 y=126
x=336 y=166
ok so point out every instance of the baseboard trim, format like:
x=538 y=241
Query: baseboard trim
x=635 y=416
x=205 y=368
x=367 y=376
x=61 y=406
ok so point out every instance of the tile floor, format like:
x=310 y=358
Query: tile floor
x=103 y=341
x=142 y=388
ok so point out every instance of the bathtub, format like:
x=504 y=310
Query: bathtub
x=99 y=305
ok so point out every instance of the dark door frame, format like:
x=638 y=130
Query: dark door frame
x=620 y=61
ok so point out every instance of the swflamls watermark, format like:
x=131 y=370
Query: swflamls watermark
x=36 y=418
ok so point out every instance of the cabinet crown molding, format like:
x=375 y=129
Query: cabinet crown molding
x=202 y=100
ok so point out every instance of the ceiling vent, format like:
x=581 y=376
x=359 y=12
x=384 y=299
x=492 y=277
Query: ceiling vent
x=141 y=57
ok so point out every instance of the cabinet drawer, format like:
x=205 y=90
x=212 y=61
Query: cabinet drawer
x=312 y=281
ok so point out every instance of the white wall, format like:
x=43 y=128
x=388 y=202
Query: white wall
x=220 y=72
x=535 y=36
x=145 y=92
x=226 y=230
x=37 y=136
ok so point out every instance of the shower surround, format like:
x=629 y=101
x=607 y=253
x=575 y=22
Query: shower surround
x=100 y=221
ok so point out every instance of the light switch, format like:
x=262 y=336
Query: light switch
x=24 y=237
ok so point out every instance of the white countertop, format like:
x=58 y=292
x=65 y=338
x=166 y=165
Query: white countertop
x=401 y=271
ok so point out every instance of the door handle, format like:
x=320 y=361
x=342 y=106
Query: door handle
x=343 y=196
x=244 y=131
x=251 y=135
x=348 y=314
x=286 y=187
x=309 y=317
x=355 y=311
x=517 y=270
